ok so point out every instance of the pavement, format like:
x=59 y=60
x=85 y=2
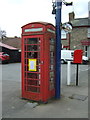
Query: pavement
x=72 y=104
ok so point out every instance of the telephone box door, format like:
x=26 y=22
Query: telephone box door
x=32 y=62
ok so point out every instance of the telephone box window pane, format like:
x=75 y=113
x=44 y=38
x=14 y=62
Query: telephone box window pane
x=33 y=89
x=38 y=69
x=32 y=41
x=25 y=81
x=25 y=48
x=51 y=61
x=52 y=41
x=25 y=74
x=33 y=75
x=52 y=47
x=33 y=82
x=52 y=83
x=52 y=67
x=25 y=68
x=25 y=41
x=25 y=54
x=51 y=54
x=51 y=75
x=33 y=55
x=38 y=62
x=33 y=48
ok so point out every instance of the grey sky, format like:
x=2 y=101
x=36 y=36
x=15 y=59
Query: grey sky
x=16 y=13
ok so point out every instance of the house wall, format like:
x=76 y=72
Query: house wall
x=77 y=35
x=64 y=42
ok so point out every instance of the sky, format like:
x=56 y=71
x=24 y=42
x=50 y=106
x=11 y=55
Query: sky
x=16 y=13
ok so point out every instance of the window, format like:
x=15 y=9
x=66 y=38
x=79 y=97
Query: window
x=63 y=34
x=88 y=33
x=85 y=49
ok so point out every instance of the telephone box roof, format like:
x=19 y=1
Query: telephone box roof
x=43 y=23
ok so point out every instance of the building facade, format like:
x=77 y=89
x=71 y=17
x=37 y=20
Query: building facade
x=79 y=38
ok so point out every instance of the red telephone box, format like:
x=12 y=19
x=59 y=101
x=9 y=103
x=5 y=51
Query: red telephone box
x=38 y=61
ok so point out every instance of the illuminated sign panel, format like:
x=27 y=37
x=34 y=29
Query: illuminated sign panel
x=34 y=30
x=52 y=31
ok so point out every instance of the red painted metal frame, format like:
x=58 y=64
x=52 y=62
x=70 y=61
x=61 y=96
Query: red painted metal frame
x=44 y=36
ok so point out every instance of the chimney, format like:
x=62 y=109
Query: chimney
x=71 y=16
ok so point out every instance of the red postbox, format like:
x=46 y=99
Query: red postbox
x=78 y=56
x=38 y=61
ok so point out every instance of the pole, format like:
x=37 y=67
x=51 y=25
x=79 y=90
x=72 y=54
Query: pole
x=58 y=49
x=77 y=75
x=68 y=72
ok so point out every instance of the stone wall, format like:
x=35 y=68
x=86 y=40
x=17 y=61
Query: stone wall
x=77 y=35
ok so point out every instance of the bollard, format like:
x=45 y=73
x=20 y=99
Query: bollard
x=68 y=72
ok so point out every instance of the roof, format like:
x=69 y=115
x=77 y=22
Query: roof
x=81 y=22
x=40 y=22
x=7 y=46
x=12 y=41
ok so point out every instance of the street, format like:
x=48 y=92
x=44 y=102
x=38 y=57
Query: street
x=66 y=107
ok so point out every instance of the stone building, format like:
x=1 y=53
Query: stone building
x=79 y=38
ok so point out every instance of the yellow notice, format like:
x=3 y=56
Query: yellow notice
x=32 y=64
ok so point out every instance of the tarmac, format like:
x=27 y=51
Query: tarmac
x=72 y=104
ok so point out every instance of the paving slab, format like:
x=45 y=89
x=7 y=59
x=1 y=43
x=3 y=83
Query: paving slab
x=79 y=97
